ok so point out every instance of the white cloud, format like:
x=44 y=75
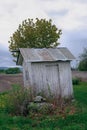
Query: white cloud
x=14 y=12
x=74 y=12
x=65 y=14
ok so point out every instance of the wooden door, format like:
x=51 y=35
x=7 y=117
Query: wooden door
x=52 y=79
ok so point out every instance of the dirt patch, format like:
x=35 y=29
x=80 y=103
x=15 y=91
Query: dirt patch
x=82 y=75
x=6 y=81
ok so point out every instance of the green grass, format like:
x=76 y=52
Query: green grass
x=80 y=92
x=77 y=121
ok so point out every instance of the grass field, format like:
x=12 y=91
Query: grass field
x=75 y=121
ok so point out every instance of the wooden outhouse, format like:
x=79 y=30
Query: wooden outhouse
x=47 y=70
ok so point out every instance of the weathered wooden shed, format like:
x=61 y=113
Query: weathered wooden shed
x=47 y=70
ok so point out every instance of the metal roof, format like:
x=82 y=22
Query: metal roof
x=45 y=54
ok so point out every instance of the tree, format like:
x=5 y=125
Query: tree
x=83 y=61
x=38 y=34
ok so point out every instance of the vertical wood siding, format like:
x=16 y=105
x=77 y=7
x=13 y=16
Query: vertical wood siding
x=44 y=77
x=38 y=77
x=52 y=78
x=26 y=74
x=65 y=79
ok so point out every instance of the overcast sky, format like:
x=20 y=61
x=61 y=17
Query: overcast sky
x=68 y=15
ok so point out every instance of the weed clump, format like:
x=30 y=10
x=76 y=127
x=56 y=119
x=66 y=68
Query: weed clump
x=18 y=100
x=76 y=81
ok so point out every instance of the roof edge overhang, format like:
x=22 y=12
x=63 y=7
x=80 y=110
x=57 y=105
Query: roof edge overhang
x=47 y=61
x=21 y=58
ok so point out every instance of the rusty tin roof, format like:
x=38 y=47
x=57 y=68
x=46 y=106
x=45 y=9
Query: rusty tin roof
x=44 y=54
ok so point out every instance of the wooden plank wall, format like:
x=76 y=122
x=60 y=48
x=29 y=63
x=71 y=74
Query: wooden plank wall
x=45 y=77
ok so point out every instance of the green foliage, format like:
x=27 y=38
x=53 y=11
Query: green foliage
x=83 y=61
x=77 y=121
x=83 y=65
x=3 y=100
x=80 y=92
x=17 y=101
x=2 y=71
x=12 y=70
x=41 y=108
x=76 y=81
x=34 y=34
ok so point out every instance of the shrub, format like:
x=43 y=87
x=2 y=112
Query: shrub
x=41 y=108
x=18 y=100
x=83 y=61
x=83 y=65
x=12 y=70
x=3 y=97
x=75 y=81
x=2 y=71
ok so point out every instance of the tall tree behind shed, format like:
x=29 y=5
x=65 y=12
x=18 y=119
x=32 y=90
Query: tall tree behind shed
x=83 y=61
x=34 y=34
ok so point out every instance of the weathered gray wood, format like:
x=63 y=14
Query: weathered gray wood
x=65 y=79
x=26 y=74
x=47 y=71
x=53 y=77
